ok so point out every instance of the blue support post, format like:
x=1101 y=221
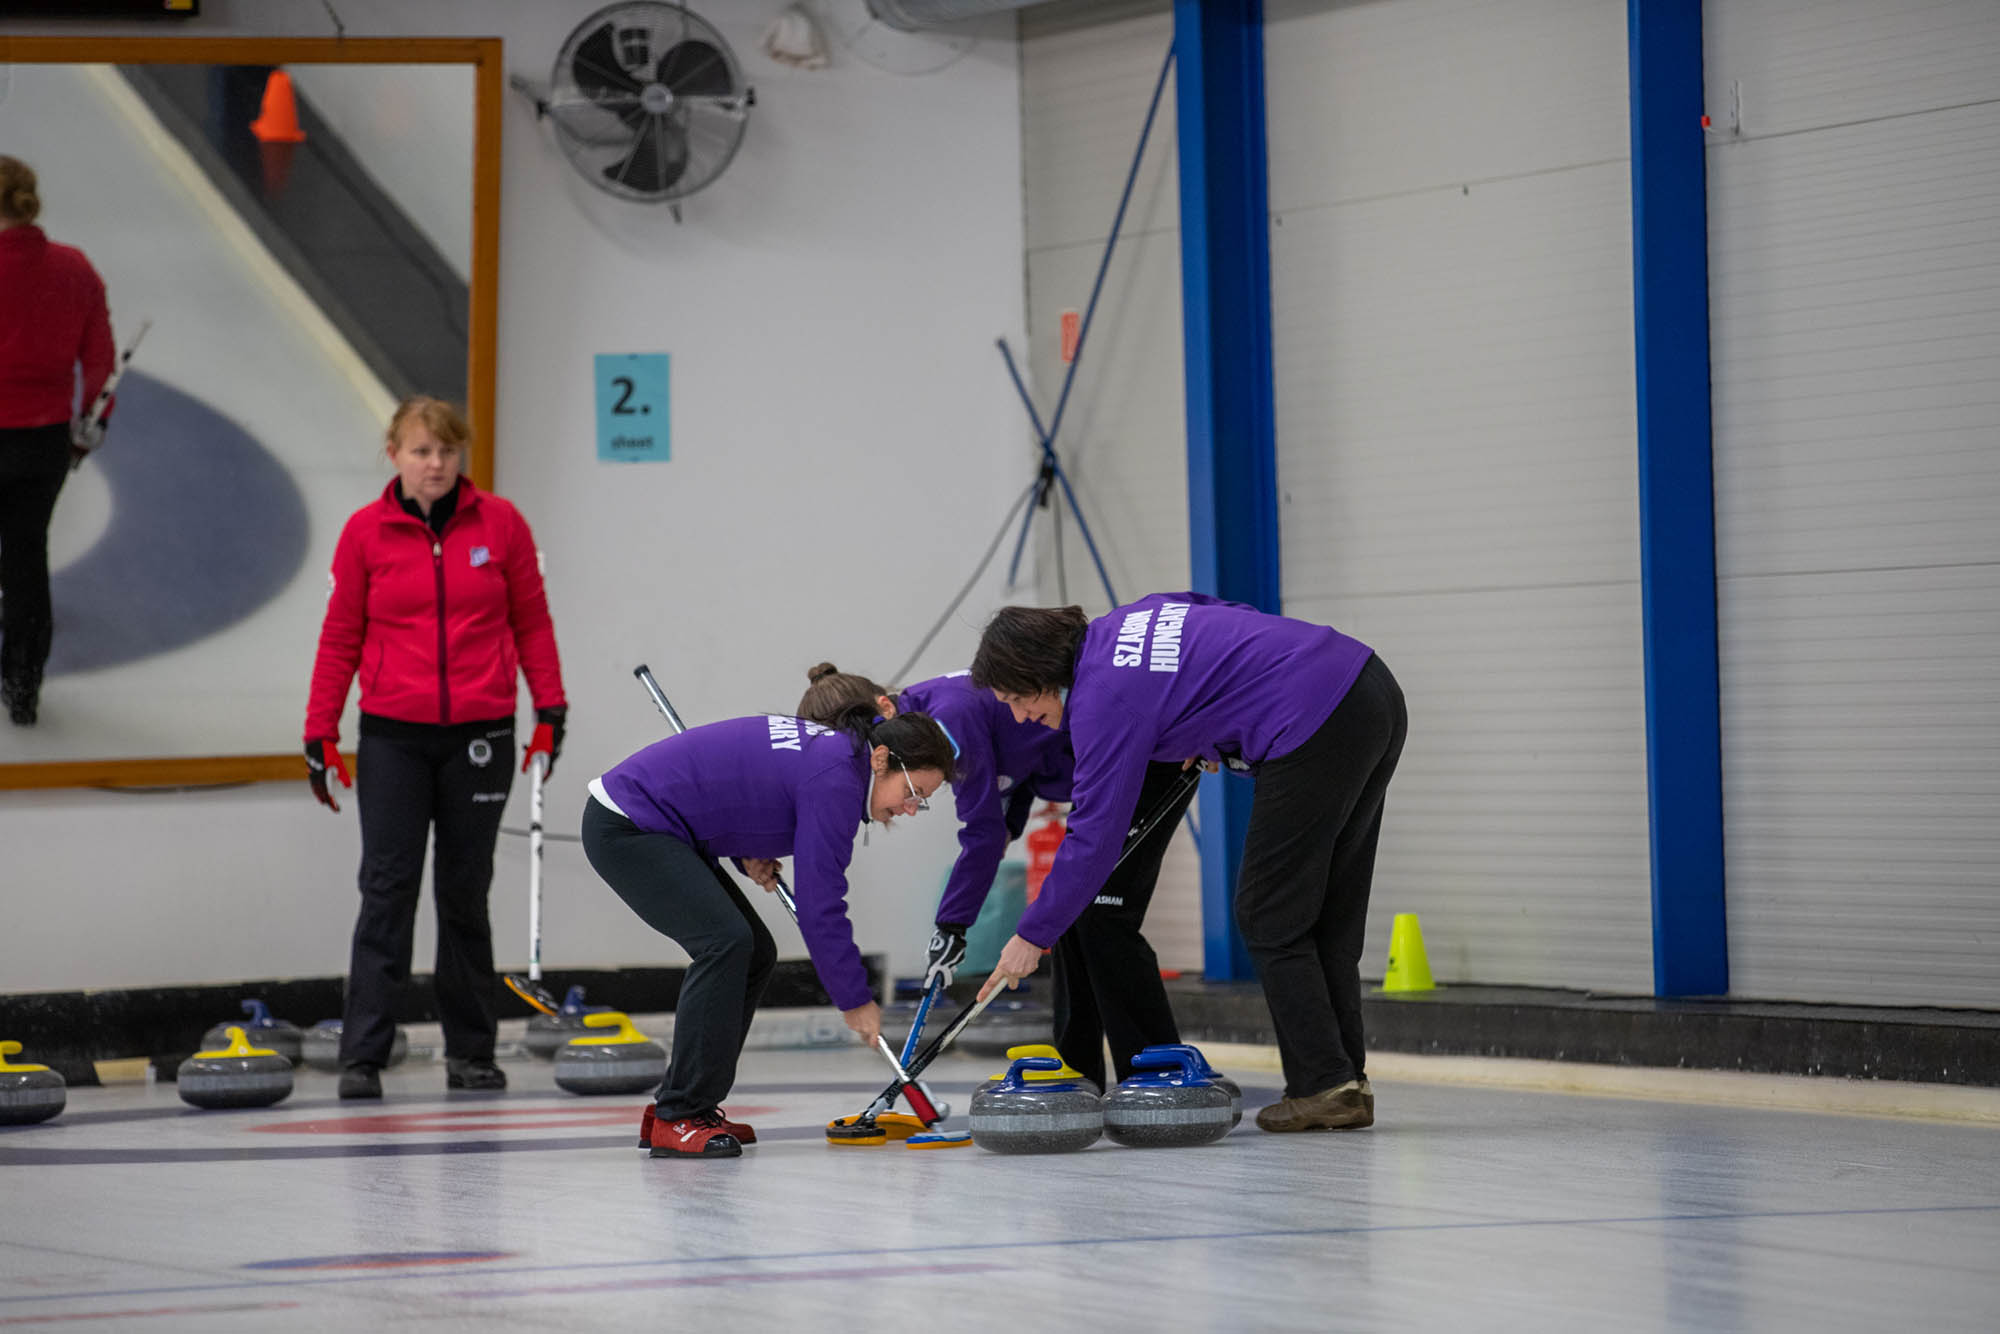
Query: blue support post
x=1226 y=330
x=1677 y=498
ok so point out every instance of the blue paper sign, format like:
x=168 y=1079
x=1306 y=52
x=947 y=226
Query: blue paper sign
x=632 y=404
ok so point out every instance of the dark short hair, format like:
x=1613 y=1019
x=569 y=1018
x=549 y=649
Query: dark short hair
x=915 y=740
x=1027 y=650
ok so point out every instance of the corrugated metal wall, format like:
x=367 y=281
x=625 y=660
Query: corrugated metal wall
x=1451 y=275
x=1854 y=233
x=1452 y=310
x=1087 y=75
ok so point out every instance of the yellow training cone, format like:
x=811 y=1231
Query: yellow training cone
x=1409 y=969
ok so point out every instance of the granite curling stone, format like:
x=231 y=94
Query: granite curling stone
x=238 y=1075
x=1043 y=1049
x=548 y=1032
x=278 y=1035
x=1019 y=1116
x=1216 y=1077
x=620 y=1060
x=28 y=1093
x=319 y=1046
x=1167 y=1103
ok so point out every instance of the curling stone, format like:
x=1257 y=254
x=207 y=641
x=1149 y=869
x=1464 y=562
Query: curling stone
x=1043 y=1049
x=278 y=1035
x=319 y=1046
x=614 y=1058
x=1214 y=1076
x=548 y=1032
x=28 y=1093
x=1167 y=1103
x=238 y=1075
x=1008 y=1022
x=1017 y=1116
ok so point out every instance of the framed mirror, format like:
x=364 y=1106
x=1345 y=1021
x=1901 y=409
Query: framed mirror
x=308 y=229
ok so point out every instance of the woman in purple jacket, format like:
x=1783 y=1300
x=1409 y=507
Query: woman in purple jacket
x=1107 y=978
x=1311 y=714
x=754 y=790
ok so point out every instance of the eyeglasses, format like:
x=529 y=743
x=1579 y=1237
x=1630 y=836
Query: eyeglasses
x=923 y=802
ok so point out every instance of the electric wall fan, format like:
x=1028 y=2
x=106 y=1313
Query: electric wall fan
x=647 y=101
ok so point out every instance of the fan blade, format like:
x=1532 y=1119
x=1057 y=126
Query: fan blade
x=693 y=69
x=596 y=69
x=657 y=160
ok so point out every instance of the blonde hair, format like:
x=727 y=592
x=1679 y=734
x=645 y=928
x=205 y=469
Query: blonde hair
x=442 y=419
x=18 y=200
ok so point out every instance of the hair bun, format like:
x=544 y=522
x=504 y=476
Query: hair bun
x=824 y=669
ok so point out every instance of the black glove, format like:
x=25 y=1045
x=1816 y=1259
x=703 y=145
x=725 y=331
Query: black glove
x=548 y=737
x=320 y=754
x=945 y=952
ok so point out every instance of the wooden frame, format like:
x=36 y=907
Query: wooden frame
x=482 y=324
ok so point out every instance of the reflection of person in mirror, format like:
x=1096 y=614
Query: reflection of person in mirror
x=436 y=601
x=52 y=319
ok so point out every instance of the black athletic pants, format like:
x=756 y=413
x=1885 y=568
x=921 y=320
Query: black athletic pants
x=695 y=903
x=409 y=778
x=1107 y=978
x=34 y=463
x=1308 y=862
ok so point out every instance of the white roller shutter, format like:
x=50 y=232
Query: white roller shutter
x=1855 y=308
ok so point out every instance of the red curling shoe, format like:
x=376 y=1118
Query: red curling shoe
x=698 y=1136
x=743 y=1131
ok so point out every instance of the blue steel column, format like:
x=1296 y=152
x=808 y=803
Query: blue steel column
x=1677 y=498
x=1226 y=322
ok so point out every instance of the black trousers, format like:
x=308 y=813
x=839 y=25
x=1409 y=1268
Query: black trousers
x=695 y=903
x=1308 y=862
x=34 y=463
x=409 y=779
x=1107 y=978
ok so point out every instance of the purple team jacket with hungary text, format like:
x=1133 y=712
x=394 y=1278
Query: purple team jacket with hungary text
x=1177 y=676
x=765 y=786
x=995 y=753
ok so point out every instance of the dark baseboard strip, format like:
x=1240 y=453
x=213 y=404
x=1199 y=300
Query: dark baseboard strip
x=70 y=1030
x=1937 y=1046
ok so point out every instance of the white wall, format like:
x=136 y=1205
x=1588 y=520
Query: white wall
x=840 y=427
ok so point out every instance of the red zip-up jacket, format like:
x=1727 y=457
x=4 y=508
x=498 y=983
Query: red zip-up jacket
x=51 y=317
x=436 y=625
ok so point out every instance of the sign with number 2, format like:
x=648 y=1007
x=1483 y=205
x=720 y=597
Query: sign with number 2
x=632 y=401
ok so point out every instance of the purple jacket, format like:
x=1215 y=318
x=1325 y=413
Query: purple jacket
x=1176 y=676
x=767 y=786
x=995 y=756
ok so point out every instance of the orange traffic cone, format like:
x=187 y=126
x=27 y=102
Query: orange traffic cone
x=279 y=121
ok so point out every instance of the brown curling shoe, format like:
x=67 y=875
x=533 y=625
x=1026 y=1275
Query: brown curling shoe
x=1368 y=1099
x=1339 y=1108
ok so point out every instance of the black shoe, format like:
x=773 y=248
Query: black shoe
x=360 y=1081
x=21 y=701
x=481 y=1075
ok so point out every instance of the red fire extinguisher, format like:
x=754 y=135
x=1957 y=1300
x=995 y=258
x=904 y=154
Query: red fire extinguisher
x=1043 y=840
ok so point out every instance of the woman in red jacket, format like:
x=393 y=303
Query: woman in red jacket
x=52 y=318
x=436 y=602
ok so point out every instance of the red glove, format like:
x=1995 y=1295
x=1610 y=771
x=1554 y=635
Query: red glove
x=548 y=737
x=319 y=755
